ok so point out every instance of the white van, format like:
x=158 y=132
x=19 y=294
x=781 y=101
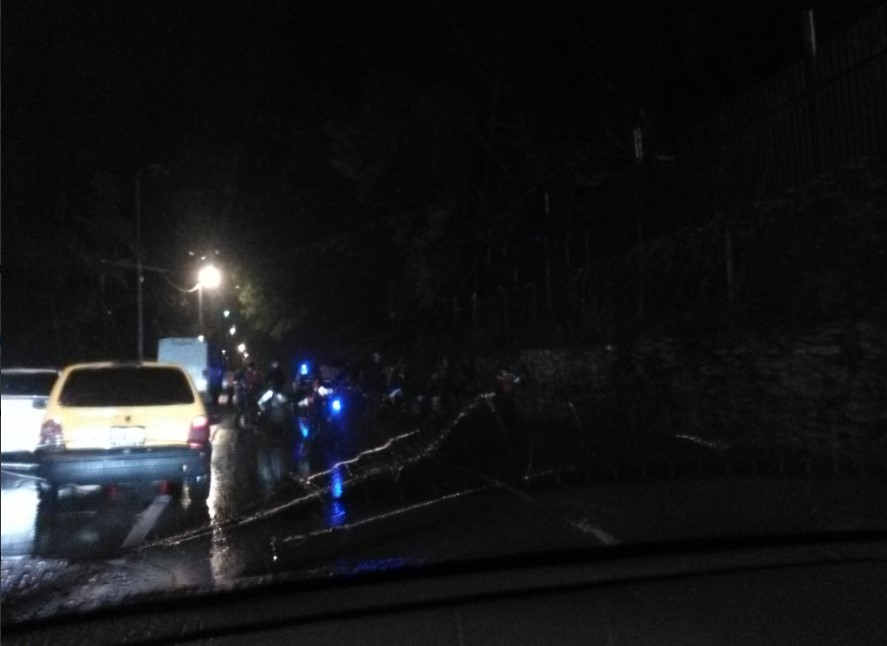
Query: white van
x=200 y=359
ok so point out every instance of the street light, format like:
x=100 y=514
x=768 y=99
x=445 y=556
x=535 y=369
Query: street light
x=209 y=277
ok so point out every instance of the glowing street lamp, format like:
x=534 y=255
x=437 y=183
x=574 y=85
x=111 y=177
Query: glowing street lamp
x=209 y=277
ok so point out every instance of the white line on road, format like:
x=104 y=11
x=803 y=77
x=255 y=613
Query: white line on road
x=146 y=521
x=714 y=445
x=513 y=490
x=391 y=514
x=584 y=525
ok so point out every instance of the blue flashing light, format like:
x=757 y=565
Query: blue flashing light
x=337 y=484
x=303 y=369
x=336 y=405
x=303 y=426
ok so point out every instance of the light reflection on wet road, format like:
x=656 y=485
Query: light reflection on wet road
x=250 y=472
x=281 y=505
x=269 y=490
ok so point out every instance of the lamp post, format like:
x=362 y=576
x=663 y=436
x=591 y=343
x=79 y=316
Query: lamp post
x=208 y=277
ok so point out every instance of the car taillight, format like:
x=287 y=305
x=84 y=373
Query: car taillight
x=51 y=434
x=198 y=436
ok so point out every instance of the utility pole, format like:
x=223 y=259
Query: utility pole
x=811 y=86
x=140 y=303
x=153 y=170
x=199 y=309
x=638 y=139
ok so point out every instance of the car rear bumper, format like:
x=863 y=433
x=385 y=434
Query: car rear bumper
x=116 y=466
x=19 y=461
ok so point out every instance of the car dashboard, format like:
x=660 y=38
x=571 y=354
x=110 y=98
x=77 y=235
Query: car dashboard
x=808 y=592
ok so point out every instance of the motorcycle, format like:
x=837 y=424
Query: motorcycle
x=320 y=412
x=397 y=403
x=271 y=406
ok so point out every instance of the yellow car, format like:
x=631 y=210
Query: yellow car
x=125 y=423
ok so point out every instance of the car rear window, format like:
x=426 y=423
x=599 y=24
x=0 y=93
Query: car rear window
x=28 y=383
x=126 y=386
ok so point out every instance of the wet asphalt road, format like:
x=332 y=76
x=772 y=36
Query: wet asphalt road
x=368 y=500
x=249 y=472
x=278 y=503
x=351 y=470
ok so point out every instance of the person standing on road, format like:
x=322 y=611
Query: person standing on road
x=246 y=386
x=229 y=382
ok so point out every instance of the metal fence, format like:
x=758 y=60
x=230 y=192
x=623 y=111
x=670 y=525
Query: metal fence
x=817 y=113
x=814 y=114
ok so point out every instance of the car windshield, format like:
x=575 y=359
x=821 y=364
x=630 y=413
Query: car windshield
x=442 y=283
x=28 y=383
x=125 y=386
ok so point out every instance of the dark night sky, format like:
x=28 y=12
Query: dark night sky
x=114 y=86
x=139 y=73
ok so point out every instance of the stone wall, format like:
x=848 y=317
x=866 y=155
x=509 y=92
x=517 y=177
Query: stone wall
x=821 y=393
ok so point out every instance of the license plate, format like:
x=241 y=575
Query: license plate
x=126 y=436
